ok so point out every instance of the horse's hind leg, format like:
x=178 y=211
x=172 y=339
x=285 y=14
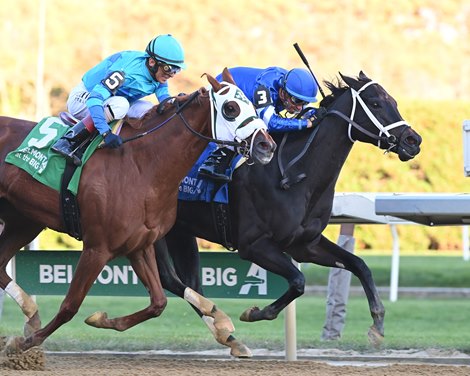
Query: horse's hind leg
x=89 y=266
x=145 y=266
x=16 y=232
x=327 y=253
x=185 y=259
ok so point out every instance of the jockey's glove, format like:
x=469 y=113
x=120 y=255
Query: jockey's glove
x=112 y=140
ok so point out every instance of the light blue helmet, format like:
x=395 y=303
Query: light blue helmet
x=300 y=84
x=167 y=49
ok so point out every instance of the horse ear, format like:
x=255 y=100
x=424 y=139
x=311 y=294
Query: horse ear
x=227 y=76
x=363 y=77
x=214 y=83
x=351 y=82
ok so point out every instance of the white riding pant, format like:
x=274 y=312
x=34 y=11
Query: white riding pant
x=115 y=107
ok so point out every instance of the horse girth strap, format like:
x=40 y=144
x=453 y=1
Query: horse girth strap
x=69 y=204
x=221 y=216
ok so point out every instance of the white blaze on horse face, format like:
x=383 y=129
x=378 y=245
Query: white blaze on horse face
x=243 y=125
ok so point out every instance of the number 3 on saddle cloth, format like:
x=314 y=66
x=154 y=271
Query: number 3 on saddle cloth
x=198 y=188
x=49 y=168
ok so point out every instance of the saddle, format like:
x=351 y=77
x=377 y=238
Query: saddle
x=68 y=119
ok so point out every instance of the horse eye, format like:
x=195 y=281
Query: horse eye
x=230 y=110
x=375 y=104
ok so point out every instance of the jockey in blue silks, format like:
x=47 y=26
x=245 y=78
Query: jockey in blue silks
x=114 y=88
x=271 y=90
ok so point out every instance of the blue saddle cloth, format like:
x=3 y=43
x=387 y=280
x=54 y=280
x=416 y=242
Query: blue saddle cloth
x=198 y=188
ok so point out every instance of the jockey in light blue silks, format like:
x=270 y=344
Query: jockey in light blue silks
x=114 y=88
x=271 y=90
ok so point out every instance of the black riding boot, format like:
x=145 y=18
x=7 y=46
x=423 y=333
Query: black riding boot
x=68 y=144
x=216 y=165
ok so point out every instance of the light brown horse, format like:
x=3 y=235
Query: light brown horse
x=127 y=200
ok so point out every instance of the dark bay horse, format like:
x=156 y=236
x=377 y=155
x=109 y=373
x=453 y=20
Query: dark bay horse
x=282 y=208
x=127 y=199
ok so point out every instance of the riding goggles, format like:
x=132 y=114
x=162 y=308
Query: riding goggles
x=296 y=101
x=168 y=68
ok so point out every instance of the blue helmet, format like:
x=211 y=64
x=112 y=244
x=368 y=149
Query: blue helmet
x=300 y=84
x=167 y=49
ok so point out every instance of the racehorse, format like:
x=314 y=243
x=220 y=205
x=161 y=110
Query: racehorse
x=282 y=208
x=127 y=198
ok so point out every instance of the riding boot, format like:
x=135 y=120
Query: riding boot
x=68 y=144
x=216 y=165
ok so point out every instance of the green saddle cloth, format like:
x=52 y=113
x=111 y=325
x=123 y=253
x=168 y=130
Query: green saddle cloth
x=35 y=157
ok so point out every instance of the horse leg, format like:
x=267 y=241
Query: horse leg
x=327 y=253
x=273 y=259
x=16 y=232
x=185 y=257
x=145 y=266
x=89 y=266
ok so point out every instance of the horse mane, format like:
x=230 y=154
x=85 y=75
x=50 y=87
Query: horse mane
x=137 y=123
x=338 y=88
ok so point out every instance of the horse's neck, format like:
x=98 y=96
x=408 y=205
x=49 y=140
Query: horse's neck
x=174 y=147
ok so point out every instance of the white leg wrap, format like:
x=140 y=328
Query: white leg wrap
x=192 y=297
x=209 y=321
x=26 y=303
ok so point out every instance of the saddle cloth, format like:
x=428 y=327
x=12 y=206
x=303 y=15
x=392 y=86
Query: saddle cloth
x=198 y=188
x=35 y=157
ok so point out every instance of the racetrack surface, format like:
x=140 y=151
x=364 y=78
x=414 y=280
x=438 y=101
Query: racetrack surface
x=324 y=363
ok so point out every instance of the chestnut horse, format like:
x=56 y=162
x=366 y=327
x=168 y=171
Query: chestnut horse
x=127 y=199
x=282 y=208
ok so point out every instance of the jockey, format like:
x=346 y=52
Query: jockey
x=272 y=91
x=114 y=88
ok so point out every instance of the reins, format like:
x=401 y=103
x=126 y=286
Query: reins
x=389 y=138
x=242 y=145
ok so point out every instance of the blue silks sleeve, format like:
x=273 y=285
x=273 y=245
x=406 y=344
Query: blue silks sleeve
x=280 y=124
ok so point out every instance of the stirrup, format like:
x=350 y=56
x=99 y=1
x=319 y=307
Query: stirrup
x=68 y=156
x=213 y=175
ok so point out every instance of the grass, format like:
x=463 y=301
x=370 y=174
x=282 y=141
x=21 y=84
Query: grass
x=415 y=271
x=410 y=323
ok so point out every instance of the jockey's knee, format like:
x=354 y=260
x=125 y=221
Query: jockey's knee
x=139 y=108
x=115 y=108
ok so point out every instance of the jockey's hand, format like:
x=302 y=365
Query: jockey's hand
x=112 y=140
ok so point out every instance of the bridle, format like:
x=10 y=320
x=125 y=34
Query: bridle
x=383 y=136
x=242 y=146
x=389 y=138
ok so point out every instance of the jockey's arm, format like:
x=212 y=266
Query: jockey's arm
x=95 y=104
x=277 y=123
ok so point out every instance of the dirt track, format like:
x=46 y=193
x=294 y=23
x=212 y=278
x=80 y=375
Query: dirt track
x=112 y=365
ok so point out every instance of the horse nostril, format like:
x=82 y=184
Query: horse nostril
x=267 y=146
x=412 y=141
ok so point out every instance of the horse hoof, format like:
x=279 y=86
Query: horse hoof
x=239 y=350
x=375 y=338
x=247 y=316
x=32 y=325
x=96 y=319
